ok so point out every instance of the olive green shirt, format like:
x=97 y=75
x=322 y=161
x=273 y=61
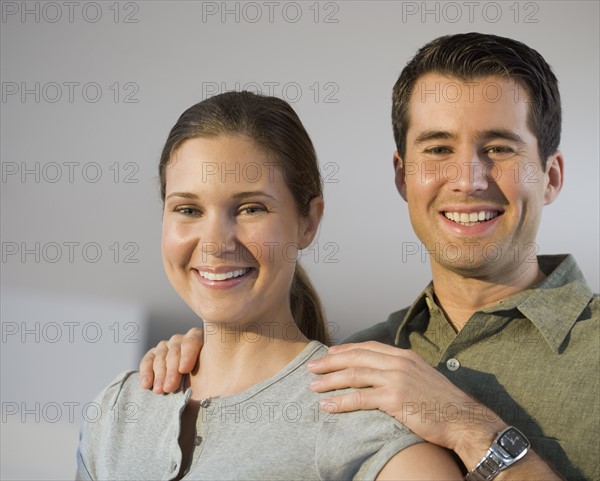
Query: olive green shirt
x=532 y=359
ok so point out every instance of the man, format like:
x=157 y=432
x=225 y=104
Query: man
x=501 y=339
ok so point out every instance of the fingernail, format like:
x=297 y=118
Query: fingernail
x=158 y=385
x=311 y=364
x=333 y=348
x=316 y=383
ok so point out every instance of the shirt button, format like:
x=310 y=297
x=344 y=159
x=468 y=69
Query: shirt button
x=452 y=364
x=205 y=403
x=198 y=440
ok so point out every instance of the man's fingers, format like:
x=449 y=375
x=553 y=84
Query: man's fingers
x=359 y=357
x=364 y=399
x=367 y=346
x=173 y=376
x=191 y=345
x=160 y=366
x=146 y=372
x=355 y=377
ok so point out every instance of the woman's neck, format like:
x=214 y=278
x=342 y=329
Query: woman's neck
x=233 y=360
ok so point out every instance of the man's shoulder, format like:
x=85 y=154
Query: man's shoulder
x=384 y=332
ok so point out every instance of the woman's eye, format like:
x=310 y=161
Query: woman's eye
x=187 y=211
x=252 y=209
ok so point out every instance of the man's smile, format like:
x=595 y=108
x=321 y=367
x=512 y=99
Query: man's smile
x=471 y=218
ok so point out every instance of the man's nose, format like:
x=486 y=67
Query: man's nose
x=473 y=173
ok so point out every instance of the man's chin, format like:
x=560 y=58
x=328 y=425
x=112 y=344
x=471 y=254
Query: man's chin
x=472 y=266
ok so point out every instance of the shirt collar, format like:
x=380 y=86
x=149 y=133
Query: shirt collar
x=416 y=310
x=553 y=306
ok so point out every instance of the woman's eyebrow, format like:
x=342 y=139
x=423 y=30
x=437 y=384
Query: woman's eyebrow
x=185 y=195
x=241 y=195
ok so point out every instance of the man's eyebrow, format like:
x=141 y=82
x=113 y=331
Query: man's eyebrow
x=500 y=134
x=483 y=135
x=428 y=135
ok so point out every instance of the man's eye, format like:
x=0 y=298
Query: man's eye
x=438 y=151
x=499 y=149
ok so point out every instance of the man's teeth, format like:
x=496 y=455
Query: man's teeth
x=472 y=217
x=211 y=276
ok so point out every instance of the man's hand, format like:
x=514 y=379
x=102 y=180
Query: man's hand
x=400 y=383
x=162 y=367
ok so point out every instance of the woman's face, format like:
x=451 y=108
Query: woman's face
x=231 y=231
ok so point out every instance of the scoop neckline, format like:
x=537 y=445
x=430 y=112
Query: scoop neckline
x=246 y=394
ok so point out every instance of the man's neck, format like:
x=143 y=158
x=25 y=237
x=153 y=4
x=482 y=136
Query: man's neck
x=460 y=296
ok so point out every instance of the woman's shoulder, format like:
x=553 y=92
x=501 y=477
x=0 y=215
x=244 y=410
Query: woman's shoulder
x=123 y=400
x=360 y=442
x=124 y=388
x=124 y=417
x=123 y=385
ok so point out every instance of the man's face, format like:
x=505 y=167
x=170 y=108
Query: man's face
x=472 y=176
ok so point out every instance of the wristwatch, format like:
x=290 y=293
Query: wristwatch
x=509 y=446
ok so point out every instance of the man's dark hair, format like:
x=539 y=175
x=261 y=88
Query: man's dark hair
x=468 y=56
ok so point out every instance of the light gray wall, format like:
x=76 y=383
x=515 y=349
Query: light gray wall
x=58 y=351
x=124 y=77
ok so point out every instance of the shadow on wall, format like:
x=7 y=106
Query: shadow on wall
x=162 y=325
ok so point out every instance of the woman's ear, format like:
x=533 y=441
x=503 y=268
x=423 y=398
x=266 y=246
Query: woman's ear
x=400 y=174
x=310 y=223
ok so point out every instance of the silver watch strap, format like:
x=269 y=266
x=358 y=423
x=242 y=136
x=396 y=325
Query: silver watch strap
x=488 y=468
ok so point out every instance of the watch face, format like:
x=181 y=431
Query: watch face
x=513 y=442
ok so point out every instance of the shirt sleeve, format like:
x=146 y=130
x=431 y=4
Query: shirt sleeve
x=82 y=473
x=384 y=332
x=357 y=445
x=92 y=449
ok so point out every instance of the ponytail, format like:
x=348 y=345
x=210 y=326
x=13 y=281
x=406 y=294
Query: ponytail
x=306 y=308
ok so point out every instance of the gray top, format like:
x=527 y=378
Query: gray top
x=272 y=431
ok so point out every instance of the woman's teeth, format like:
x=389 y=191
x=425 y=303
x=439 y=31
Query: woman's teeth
x=211 y=276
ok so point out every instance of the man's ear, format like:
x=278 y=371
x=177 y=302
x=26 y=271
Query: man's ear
x=400 y=174
x=310 y=223
x=554 y=177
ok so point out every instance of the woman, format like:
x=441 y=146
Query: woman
x=242 y=195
